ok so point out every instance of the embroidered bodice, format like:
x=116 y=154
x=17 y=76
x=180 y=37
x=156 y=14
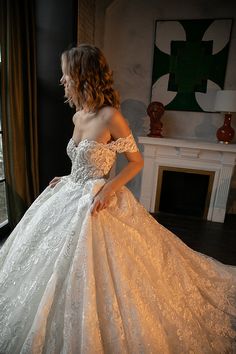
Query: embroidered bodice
x=91 y=159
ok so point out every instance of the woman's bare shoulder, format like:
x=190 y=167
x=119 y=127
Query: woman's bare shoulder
x=116 y=117
x=108 y=112
x=118 y=125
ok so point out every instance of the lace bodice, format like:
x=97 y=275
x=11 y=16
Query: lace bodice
x=91 y=159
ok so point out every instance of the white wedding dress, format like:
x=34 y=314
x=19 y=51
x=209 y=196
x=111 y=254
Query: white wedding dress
x=115 y=283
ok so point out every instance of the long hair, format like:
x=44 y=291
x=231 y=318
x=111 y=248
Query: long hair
x=91 y=80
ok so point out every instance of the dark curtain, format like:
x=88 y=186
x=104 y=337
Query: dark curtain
x=19 y=105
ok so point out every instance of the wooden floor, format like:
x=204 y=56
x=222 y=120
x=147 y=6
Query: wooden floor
x=213 y=239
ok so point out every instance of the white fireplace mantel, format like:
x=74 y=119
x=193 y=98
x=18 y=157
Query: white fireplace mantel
x=190 y=154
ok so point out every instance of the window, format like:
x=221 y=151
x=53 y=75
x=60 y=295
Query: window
x=3 y=198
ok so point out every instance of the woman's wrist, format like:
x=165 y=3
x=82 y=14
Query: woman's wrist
x=109 y=188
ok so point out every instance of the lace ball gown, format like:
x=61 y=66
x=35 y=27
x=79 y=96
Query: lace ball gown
x=114 y=283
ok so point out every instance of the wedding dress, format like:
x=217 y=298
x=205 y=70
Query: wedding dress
x=114 y=283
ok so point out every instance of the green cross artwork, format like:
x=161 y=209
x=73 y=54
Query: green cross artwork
x=189 y=64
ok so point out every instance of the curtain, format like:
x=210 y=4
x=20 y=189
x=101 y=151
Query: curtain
x=86 y=21
x=19 y=105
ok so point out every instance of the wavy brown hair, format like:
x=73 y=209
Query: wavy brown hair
x=91 y=80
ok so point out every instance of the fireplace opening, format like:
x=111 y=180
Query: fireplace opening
x=183 y=191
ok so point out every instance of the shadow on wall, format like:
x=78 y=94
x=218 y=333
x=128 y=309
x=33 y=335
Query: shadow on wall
x=135 y=112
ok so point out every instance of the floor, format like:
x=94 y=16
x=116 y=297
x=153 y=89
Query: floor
x=211 y=238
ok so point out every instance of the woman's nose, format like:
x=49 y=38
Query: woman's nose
x=62 y=79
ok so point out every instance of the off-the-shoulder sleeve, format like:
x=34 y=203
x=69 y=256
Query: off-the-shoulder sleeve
x=126 y=144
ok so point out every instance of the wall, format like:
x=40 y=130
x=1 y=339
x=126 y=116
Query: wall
x=127 y=40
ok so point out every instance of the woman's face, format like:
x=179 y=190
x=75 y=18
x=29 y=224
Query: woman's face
x=66 y=81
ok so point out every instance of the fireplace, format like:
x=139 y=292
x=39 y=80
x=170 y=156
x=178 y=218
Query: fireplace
x=212 y=162
x=183 y=191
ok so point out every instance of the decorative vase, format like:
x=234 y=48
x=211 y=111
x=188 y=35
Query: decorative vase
x=155 y=111
x=225 y=133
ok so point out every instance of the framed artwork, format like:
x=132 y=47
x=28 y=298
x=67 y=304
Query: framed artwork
x=189 y=62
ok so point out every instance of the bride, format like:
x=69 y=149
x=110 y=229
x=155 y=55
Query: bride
x=87 y=269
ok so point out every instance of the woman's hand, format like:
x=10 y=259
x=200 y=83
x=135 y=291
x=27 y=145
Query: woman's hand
x=54 y=181
x=100 y=200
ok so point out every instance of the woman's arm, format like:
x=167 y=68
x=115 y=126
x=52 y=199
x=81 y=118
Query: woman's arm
x=119 y=128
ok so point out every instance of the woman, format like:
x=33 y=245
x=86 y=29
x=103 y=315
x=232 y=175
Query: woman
x=88 y=270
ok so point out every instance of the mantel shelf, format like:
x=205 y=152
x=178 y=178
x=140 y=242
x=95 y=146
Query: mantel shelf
x=188 y=143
